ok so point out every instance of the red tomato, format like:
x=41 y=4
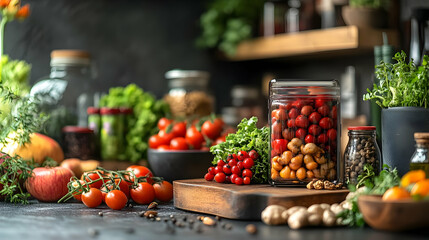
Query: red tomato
x=238 y=181
x=323 y=110
x=93 y=176
x=179 y=143
x=293 y=113
x=164 y=147
x=220 y=177
x=211 y=129
x=163 y=123
x=314 y=129
x=332 y=134
x=280 y=145
x=194 y=138
x=92 y=198
x=314 y=117
x=226 y=169
x=218 y=169
x=279 y=114
x=220 y=139
x=74 y=184
x=326 y=123
x=248 y=163
x=232 y=162
x=247 y=173
x=300 y=133
x=246 y=180
x=124 y=187
x=306 y=110
x=165 y=137
x=163 y=191
x=334 y=112
x=211 y=170
x=154 y=141
x=310 y=139
x=320 y=102
x=286 y=106
x=322 y=138
x=209 y=176
x=301 y=121
x=140 y=171
x=291 y=123
x=179 y=129
x=253 y=154
x=298 y=104
x=220 y=163
x=232 y=177
x=116 y=199
x=144 y=193
x=288 y=134
x=276 y=129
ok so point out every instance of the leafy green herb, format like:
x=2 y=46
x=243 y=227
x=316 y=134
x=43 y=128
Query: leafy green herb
x=401 y=84
x=369 y=3
x=368 y=183
x=226 y=23
x=248 y=137
x=13 y=172
x=142 y=124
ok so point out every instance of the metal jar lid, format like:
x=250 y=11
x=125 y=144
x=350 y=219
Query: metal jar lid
x=183 y=78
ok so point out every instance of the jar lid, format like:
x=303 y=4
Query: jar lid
x=76 y=129
x=177 y=73
x=93 y=110
x=362 y=128
x=110 y=111
x=126 y=110
x=69 y=57
x=421 y=135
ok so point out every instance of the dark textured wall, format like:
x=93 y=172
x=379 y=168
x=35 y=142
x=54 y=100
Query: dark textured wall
x=139 y=40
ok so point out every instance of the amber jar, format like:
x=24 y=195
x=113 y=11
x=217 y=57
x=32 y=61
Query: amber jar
x=304 y=117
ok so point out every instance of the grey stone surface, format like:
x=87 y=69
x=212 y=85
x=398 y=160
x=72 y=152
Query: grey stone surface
x=76 y=221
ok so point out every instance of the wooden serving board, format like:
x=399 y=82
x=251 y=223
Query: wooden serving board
x=245 y=201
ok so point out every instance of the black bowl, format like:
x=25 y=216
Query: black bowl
x=176 y=165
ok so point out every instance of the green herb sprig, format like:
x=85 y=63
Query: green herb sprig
x=402 y=84
x=248 y=137
x=14 y=171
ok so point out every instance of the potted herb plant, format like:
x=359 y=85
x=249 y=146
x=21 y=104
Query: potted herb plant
x=403 y=94
x=366 y=13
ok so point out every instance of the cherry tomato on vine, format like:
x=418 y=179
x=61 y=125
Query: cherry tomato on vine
x=163 y=191
x=140 y=171
x=247 y=173
x=164 y=147
x=123 y=186
x=209 y=176
x=194 y=137
x=74 y=184
x=179 y=129
x=248 y=163
x=116 y=200
x=253 y=154
x=93 y=176
x=179 y=143
x=246 y=180
x=165 y=137
x=92 y=198
x=144 y=193
x=163 y=123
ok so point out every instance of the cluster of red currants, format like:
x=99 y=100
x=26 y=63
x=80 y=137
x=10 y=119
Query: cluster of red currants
x=236 y=169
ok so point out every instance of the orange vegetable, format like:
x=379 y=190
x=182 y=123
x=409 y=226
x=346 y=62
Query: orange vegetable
x=421 y=188
x=412 y=177
x=396 y=193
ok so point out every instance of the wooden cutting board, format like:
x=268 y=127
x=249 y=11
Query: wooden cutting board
x=245 y=201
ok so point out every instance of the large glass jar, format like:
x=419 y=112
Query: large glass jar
x=66 y=94
x=189 y=94
x=362 y=149
x=304 y=118
x=420 y=158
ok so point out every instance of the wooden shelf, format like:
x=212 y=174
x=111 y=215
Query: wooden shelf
x=341 y=40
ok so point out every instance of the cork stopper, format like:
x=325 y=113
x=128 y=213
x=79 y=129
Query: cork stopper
x=69 y=54
x=69 y=57
x=422 y=137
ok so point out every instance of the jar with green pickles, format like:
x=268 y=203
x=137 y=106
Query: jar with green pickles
x=112 y=133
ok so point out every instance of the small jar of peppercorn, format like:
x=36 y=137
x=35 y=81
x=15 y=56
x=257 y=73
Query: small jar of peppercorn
x=304 y=117
x=361 y=150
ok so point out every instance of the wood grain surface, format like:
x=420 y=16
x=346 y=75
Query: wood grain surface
x=246 y=201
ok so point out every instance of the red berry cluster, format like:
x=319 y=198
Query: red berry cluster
x=236 y=169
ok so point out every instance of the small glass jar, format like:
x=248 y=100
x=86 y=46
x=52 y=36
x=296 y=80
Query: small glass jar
x=189 y=94
x=112 y=133
x=79 y=142
x=362 y=149
x=304 y=117
x=420 y=158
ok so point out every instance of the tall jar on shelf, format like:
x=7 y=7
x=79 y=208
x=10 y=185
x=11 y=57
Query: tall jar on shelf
x=66 y=93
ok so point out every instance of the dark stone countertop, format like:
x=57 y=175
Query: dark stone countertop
x=76 y=221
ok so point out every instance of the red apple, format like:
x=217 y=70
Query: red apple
x=49 y=184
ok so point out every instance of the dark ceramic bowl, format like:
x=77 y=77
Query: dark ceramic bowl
x=176 y=165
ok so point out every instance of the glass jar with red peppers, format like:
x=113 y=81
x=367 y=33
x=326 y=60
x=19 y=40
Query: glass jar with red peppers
x=305 y=131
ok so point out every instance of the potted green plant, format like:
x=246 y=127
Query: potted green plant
x=366 y=13
x=403 y=94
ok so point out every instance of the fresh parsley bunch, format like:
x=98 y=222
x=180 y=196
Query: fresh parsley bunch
x=248 y=137
x=402 y=84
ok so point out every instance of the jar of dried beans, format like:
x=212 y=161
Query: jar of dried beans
x=304 y=118
x=361 y=151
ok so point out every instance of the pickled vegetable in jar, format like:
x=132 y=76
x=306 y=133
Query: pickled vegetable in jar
x=420 y=158
x=362 y=149
x=112 y=133
x=304 y=118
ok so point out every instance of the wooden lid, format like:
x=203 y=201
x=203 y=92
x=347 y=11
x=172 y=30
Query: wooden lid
x=69 y=54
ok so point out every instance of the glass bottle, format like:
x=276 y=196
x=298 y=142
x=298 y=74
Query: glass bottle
x=305 y=137
x=65 y=94
x=361 y=149
x=189 y=94
x=420 y=158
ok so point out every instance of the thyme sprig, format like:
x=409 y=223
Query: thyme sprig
x=13 y=173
